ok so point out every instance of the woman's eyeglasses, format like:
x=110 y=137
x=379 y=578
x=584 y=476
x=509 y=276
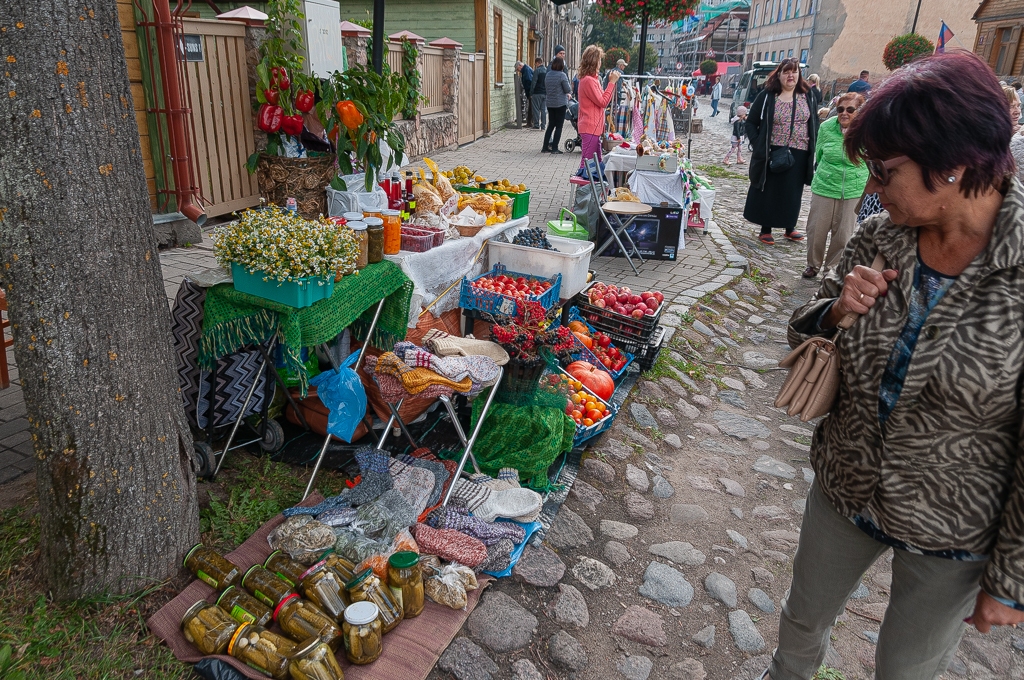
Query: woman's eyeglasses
x=846 y=109
x=879 y=170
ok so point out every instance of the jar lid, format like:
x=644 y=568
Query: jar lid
x=249 y=571
x=267 y=561
x=234 y=638
x=373 y=222
x=406 y=559
x=193 y=610
x=189 y=553
x=361 y=613
x=390 y=213
x=221 y=597
x=283 y=602
x=353 y=216
x=359 y=578
x=357 y=226
x=324 y=554
x=305 y=648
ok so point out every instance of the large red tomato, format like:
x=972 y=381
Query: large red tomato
x=594 y=379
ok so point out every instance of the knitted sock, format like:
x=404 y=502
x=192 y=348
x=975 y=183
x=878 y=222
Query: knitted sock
x=415 y=484
x=440 y=472
x=449 y=544
x=445 y=345
x=499 y=557
x=511 y=503
x=469 y=495
x=373 y=466
x=510 y=480
x=488 y=533
x=331 y=503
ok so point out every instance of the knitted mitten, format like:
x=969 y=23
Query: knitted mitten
x=373 y=466
x=415 y=484
x=435 y=468
x=488 y=533
x=449 y=544
x=499 y=557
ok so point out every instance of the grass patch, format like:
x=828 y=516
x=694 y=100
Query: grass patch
x=757 y=277
x=826 y=673
x=719 y=172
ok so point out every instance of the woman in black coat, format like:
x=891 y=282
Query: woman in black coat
x=783 y=129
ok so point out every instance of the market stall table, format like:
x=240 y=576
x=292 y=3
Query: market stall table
x=620 y=161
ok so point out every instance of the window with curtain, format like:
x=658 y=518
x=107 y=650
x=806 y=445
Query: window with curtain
x=790 y=55
x=796 y=9
x=773 y=55
x=769 y=10
x=757 y=16
x=499 y=77
x=778 y=15
x=789 y=8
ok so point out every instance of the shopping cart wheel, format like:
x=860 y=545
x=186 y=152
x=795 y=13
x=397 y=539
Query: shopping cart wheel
x=205 y=458
x=570 y=145
x=273 y=437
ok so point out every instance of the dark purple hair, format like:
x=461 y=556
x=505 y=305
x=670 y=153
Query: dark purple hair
x=926 y=112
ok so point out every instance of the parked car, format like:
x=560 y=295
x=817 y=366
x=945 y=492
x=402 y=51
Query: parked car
x=751 y=84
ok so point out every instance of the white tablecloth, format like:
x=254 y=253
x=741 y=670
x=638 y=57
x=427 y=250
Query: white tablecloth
x=433 y=271
x=653 y=187
x=620 y=160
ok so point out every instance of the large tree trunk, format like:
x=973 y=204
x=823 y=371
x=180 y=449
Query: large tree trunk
x=78 y=258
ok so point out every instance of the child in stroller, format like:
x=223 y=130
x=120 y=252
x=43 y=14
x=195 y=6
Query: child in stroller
x=572 y=112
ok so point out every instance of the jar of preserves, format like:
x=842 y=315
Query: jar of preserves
x=378 y=214
x=361 y=632
x=323 y=588
x=315 y=661
x=285 y=568
x=267 y=587
x=392 y=231
x=208 y=627
x=406 y=582
x=211 y=567
x=243 y=607
x=366 y=587
x=353 y=216
x=257 y=647
x=362 y=238
x=374 y=239
x=301 y=620
x=341 y=566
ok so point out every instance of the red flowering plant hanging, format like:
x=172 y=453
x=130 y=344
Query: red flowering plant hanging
x=529 y=335
x=655 y=10
x=904 y=49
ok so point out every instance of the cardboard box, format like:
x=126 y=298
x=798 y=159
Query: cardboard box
x=658 y=235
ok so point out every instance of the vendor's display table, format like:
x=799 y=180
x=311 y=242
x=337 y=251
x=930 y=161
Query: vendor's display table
x=620 y=161
x=658 y=187
x=434 y=271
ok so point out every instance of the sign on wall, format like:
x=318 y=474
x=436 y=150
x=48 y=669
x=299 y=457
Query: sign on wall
x=190 y=47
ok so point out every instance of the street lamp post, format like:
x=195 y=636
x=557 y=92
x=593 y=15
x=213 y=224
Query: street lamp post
x=642 y=53
x=913 y=29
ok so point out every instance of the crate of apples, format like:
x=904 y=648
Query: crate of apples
x=622 y=300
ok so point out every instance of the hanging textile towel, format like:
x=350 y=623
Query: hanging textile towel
x=638 y=121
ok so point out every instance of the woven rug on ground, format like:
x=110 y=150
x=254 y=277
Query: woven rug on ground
x=232 y=319
x=409 y=651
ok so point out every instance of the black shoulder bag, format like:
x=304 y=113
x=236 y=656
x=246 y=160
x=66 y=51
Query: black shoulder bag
x=781 y=159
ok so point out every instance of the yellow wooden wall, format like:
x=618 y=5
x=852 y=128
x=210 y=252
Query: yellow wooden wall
x=126 y=14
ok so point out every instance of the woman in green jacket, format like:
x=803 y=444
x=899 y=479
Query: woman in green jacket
x=838 y=185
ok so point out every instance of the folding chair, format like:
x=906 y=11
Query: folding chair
x=623 y=213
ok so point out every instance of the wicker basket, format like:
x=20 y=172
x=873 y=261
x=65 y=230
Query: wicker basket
x=523 y=377
x=302 y=178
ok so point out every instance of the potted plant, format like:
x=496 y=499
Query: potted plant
x=904 y=49
x=278 y=255
x=532 y=344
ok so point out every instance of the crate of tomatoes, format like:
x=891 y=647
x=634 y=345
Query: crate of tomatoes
x=597 y=348
x=593 y=413
x=499 y=291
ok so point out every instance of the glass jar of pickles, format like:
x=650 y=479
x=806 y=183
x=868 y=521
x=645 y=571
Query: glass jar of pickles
x=361 y=632
x=315 y=661
x=301 y=620
x=323 y=587
x=366 y=587
x=406 y=582
x=268 y=588
x=243 y=607
x=257 y=647
x=208 y=627
x=375 y=239
x=341 y=566
x=285 y=568
x=362 y=239
x=211 y=567
x=392 y=231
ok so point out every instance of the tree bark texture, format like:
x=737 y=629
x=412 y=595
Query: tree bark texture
x=79 y=262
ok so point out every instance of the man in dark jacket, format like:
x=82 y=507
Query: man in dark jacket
x=526 y=79
x=538 y=95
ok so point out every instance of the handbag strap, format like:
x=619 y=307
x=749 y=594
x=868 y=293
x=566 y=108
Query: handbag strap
x=792 y=122
x=848 y=320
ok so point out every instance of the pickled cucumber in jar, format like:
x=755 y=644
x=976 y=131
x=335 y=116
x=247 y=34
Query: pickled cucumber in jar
x=285 y=568
x=361 y=632
x=367 y=588
x=208 y=627
x=345 y=569
x=211 y=567
x=406 y=582
x=321 y=586
x=268 y=588
x=260 y=649
x=301 y=620
x=243 y=607
x=315 y=661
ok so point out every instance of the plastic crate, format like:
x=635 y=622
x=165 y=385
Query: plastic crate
x=584 y=433
x=300 y=293
x=498 y=304
x=646 y=359
x=571 y=259
x=584 y=354
x=520 y=202
x=631 y=335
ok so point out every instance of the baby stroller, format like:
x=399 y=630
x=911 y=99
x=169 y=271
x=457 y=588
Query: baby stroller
x=572 y=112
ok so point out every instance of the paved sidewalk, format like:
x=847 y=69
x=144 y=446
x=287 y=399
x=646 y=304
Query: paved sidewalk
x=707 y=260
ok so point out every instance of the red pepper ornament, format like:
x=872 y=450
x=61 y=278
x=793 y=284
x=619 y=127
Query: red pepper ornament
x=292 y=125
x=269 y=118
x=304 y=101
x=272 y=96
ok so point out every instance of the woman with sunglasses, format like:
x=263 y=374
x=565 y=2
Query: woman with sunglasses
x=782 y=128
x=921 y=452
x=837 y=187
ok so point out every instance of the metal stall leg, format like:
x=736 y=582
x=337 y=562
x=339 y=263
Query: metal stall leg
x=472 y=438
x=458 y=427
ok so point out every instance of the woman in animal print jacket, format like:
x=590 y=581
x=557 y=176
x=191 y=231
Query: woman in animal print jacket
x=922 y=452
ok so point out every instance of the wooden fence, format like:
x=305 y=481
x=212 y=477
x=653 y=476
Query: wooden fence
x=471 y=97
x=432 y=80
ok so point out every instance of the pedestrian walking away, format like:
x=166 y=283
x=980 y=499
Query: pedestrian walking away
x=739 y=124
x=920 y=453
x=538 y=95
x=556 y=86
x=837 y=187
x=593 y=102
x=783 y=134
x=716 y=94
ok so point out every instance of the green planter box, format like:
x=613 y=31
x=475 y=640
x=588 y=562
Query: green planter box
x=301 y=293
x=520 y=202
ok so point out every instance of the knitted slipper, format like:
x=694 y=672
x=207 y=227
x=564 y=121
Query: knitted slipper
x=376 y=476
x=415 y=484
x=499 y=557
x=480 y=369
x=446 y=345
x=391 y=364
x=510 y=503
x=450 y=545
x=488 y=532
x=440 y=472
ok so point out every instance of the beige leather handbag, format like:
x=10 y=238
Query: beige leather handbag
x=813 y=381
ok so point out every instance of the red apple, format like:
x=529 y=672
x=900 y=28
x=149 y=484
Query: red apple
x=649 y=312
x=658 y=296
x=637 y=314
x=623 y=298
x=599 y=303
x=619 y=309
x=645 y=295
x=634 y=300
x=642 y=307
x=652 y=303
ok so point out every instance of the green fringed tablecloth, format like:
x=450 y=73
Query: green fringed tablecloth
x=232 y=319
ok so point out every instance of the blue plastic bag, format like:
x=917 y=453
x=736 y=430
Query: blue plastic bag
x=343 y=394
